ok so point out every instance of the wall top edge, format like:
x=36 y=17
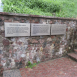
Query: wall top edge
x=35 y=16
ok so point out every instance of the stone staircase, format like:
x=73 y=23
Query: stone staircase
x=73 y=55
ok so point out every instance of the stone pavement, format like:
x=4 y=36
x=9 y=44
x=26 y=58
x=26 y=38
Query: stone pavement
x=12 y=73
x=61 y=67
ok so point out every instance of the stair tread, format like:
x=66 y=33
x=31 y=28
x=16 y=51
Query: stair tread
x=74 y=55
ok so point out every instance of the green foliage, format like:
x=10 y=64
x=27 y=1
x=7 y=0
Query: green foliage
x=30 y=65
x=31 y=6
x=61 y=8
x=43 y=5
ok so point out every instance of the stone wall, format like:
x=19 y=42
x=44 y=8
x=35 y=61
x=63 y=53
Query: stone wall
x=15 y=52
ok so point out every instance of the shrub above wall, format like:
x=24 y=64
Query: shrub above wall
x=58 y=8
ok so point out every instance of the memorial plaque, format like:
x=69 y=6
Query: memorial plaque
x=17 y=29
x=40 y=29
x=58 y=29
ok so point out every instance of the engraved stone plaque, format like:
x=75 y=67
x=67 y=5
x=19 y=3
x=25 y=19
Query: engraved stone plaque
x=58 y=29
x=17 y=29
x=40 y=29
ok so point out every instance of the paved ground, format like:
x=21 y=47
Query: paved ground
x=12 y=73
x=61 y=67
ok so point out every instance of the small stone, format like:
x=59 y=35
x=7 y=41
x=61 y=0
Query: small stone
x=9 y=20
x=52 y=36
x=27 y=21
x=38 y=59
x=3 y=34
x=16 y=19
x=1 y=44
x=31 y=61
x=1 y=23
x=23 y=55
x=1 y=48
x=41 y=48
x=52 y=46
x=61 y=72
x=1 y=18
x=5 y=42
x=33 y=21
x=16 y=22
x=49 y=39
x=27 y=54
x=4 y=64
x=34 y=41
x=2 y=28
x=10 y=51
x=69 y=47
x=44 y=22
x=22 y=21
x=12 y=64
x=50 y=22
x=29 y=69
x=1 y=39
x=0 y=52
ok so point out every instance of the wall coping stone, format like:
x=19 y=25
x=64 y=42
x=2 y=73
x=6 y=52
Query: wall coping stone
x=36 y=16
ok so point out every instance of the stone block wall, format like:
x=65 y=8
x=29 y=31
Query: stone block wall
x=15 y=52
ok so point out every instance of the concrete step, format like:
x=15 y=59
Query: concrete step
x=73 y=55
x=12 y=73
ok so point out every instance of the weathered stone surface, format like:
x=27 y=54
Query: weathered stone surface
x=3 y=34
x=2 y=28
x=2 y=18
x=1 y=23
x=1 y=44
x=15 y=52
x=22 y=20
x=1 y=70
x=5 y=42
x=16 y=22
x=16 y=18
x=1 y=39
x=9 y=20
